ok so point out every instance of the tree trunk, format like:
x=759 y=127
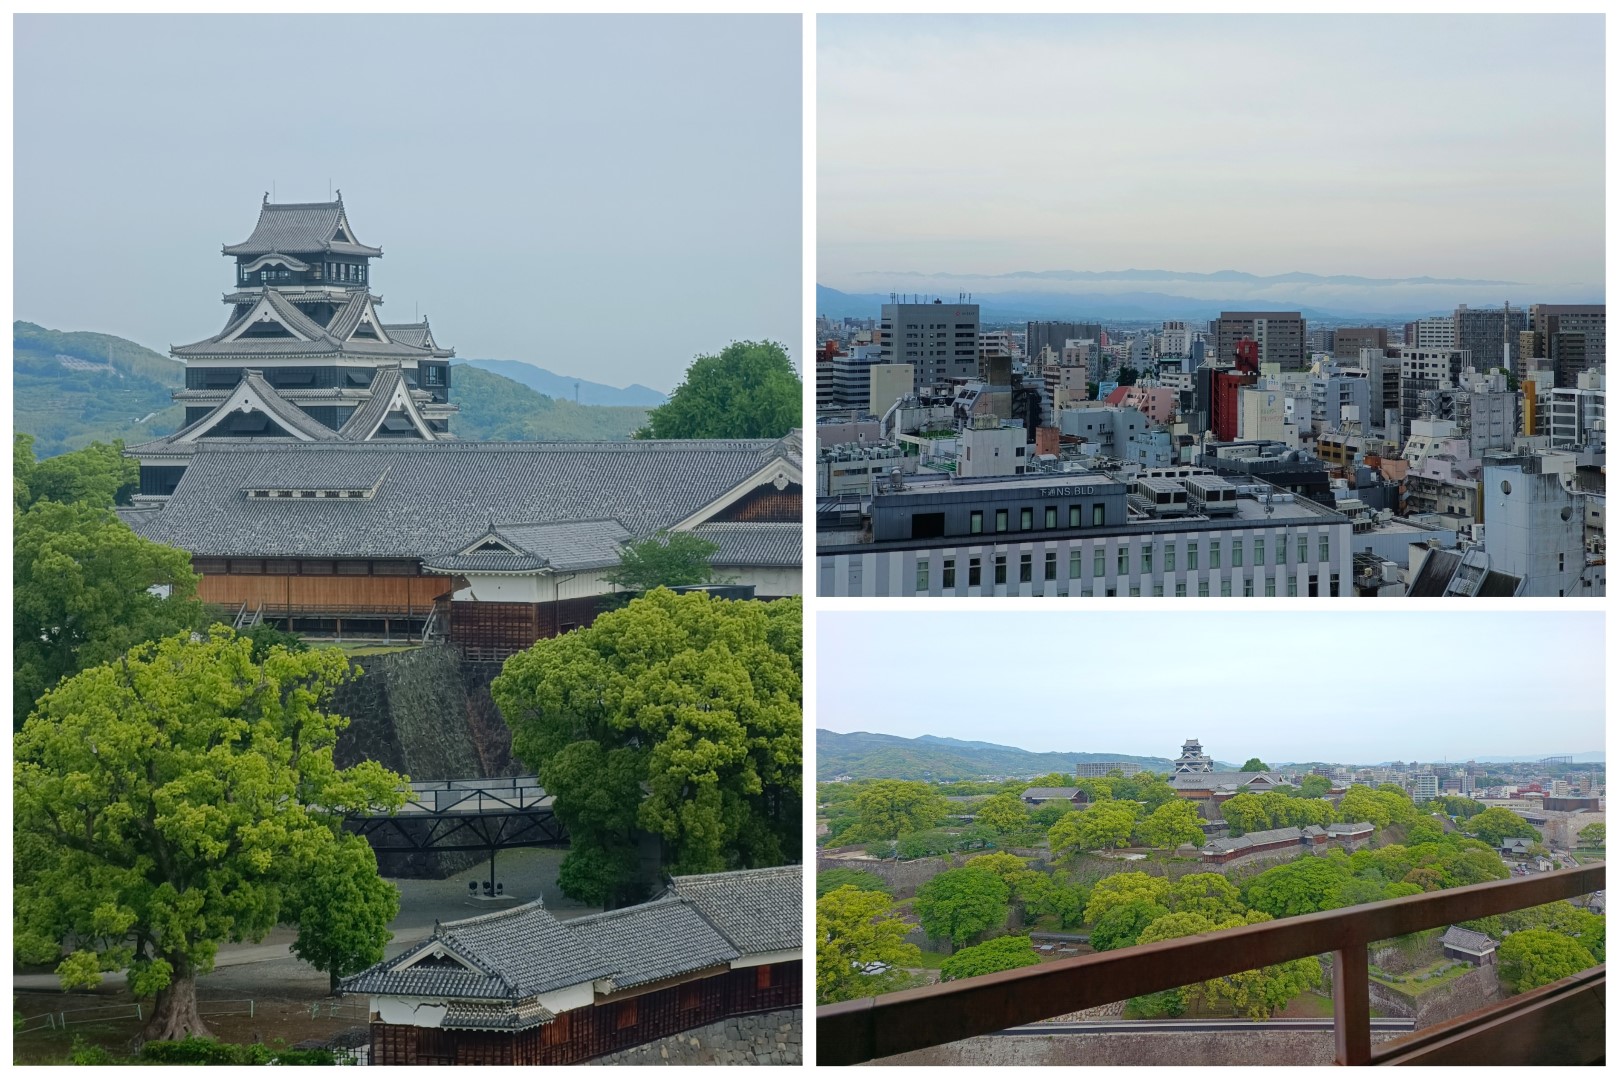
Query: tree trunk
x=333 y=975
x=174 y=1016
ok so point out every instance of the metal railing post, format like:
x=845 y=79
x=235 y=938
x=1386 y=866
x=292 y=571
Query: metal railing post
x=1352 y=1011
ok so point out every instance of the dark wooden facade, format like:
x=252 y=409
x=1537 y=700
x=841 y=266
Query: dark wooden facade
x=582 y=1034
x=484 y=628
x=766 y=503
x=369 y=587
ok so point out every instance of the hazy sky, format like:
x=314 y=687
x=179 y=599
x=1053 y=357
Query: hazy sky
x=602 y=196
x=1385 y=146
x=1341 y=686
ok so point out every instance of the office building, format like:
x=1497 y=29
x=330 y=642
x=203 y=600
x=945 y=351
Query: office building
x=1480 y=332
x=1280 y=335
x=1349 y=341
x=1052 y=335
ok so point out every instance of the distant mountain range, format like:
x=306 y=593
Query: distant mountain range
x=864 y=755
x=563 y=387
x=72 y=388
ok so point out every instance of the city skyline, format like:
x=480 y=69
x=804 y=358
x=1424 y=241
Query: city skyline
x=1159 y=679
x=610 y=212
x=1326 y=145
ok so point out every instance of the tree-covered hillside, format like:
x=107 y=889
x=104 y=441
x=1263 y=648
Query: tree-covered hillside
x=495 y=407
x=75 y=388
x=861 y=754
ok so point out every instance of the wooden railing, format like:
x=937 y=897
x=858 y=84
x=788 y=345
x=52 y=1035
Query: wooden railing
x=851 y=1032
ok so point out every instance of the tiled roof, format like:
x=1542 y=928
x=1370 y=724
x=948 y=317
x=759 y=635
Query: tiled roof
x=364 y=421
x=300 y=228
x=654 y=941
x=574 y=545
x=1340 y=827
x=330 y=340
x=1472 y=940
x=754 y=544
x=275 y=406
x=1213 y=780
x=440 y=496
x=481 y=1016
x=758 y=911
x=527 y=948
x=1049 y=793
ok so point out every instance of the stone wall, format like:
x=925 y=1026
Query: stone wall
x=1475 y=990
x=771 y=1038
x=1171 y=1048
x=903 y=878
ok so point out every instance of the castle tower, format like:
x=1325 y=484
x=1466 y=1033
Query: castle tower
x=1193 y=759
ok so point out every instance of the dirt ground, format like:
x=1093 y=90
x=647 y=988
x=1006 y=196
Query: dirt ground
x=291 y=1002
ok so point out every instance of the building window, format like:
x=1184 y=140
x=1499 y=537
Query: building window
x=1237 y=552
x=1001 y=521
x=1123 y=560
x=1147 y=559
x=1271 y=587
x=1096 y=513
x=1203 y=588
x=1259 y=551
x=1098 y=567
x=1293 y=585
x=1181 y=588
x=1051 y=517
x=1192 y=555
x=1026 y=519
x=976 y=521
x=1282 y=550
x=922 y=576
x=1304 y=546
x=1074 y=517
x=1322 y=550
x=1169 y=558
x=948 y=574
x=1248 y=587
x=1001 y=569
x=1026 y=571
x=973 y=574
x=1226 y=586
x=1214 y=554
x=1074 y=563
x=1051 y=566
x=1158 y=590
x=1333 y=584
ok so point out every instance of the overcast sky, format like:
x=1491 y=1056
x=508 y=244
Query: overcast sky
x=1340 y=686
x=602 y=196
x=1385 y=146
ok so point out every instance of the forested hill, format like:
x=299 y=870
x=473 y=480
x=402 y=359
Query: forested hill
x=863 y=755
x=72 y=388
x=75 y=388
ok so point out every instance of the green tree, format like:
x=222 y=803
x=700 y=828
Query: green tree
x=83 y=593
x=1172 y=1002
x=1122 y=925
x=1314 y=787
x=887 y=808
x=180 y=797
x=1117 y=889
x=1496 y=824
x=342 y=909
x=1171 y=825
x=1245 y=813
x=667 y=559
x=1209 y=895
x=95 y=475
x=828 y=880
x=1259 y=993
x=1006 y=866
x=679 y=716
x=1254 y=764
x=961 y=904
x=1296 y=888
x=1532 y=958
x=749 y=391
x=861 y=948
x=1107 y=824
x=1362 y=803
x=1049 y=814
x=1592 y=836
x=1003 y=814
x=997 y=954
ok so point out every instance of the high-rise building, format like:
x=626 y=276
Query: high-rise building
x=1174 y=339
x=1280 y=335
x=1571 y=336
x=1479 y=331
x=939 y=340
x=1425 y=786
x=1040 y=334
x=1439 y=332
x=1092 y=769
x=1349 y=341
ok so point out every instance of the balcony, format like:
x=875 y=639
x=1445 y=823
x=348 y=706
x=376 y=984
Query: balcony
x=1557 y=1024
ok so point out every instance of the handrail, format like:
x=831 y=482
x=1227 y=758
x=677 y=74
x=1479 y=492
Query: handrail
x=851 y=1032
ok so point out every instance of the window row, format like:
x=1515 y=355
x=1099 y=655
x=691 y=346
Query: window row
x=1145 y=557
x=1026 y=570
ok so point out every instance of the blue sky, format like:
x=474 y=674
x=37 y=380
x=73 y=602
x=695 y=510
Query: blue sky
x=602 y=196
x=1378 y=145
x=1332 y=686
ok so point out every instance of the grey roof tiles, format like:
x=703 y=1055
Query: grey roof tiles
x=300 y=228
x=654 y=941
x=759 y=911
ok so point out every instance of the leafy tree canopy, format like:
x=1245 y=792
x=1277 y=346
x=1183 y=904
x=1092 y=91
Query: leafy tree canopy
x=861 y=947
x=1592 y=836
x=1314 y=787
x=1296 y=888
x=680 y=716
x=1532 y=958
x=1107 y=824
x=1117 y=889
x=887 y=808
x=1003 y=814
x=95 y=475
x=749 y=391
x=1254 y=764
x=1121 y=926
x=828 y=880
x=1170 y=825
x=1498 y=824
x=961 y=904
x=997 y=954
x=667 y=559
x=85 y=588
x=185 y=795
x=1208 y=895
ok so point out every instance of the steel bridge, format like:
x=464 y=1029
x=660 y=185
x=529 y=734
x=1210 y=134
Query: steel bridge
x=481 y=814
